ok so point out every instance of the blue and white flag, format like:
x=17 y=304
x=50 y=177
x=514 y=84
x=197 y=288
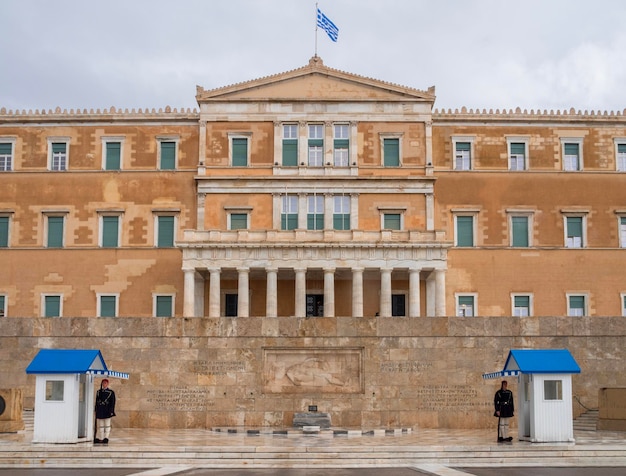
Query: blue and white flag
x=328 y=26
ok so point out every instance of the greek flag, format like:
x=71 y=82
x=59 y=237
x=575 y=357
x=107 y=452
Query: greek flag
x=328 y=26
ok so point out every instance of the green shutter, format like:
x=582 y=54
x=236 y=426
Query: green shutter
x=165 y=238
x=55 y=232
x=518 y=148
x=577 y=302
x=342 y=143
x=522 y=301
x=341 y=221
x=463 y=146
x=168 y=155
x=58 y=147
x=288 y=221
x=391 y=150
x=574 y=226
x=164 y=306
x=5 y=148
x=52 y=306
x=316 y=142
x=466 y=301
x=110 y=231
x=464 y=231
x=238 y=221
x=2 y=313
x=392 y=221
x=315 y=221
x=4 y=232
x=113 y=150
x=107 y=306
x=240 y=152
x=290 y=152
x=520 y=231
x=621 y=149
x=571 y=149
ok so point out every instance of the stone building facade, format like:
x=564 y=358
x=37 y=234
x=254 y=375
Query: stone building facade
x=313 y=193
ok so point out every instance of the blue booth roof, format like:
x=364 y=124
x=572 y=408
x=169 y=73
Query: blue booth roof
x=71 y=361
x=537 y=361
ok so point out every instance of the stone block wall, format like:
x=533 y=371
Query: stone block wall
x=365 y=372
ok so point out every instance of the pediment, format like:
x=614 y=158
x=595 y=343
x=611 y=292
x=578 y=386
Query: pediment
x=315 y=82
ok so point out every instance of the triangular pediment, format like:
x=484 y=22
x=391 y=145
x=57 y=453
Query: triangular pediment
x=315 y=82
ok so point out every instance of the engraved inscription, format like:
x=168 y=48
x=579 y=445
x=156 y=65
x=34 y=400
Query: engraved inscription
x=405 y=366
x=448 y=397
x=218 y=367
x=179 y=398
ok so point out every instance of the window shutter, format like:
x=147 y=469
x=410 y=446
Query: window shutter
x=4 y=233
x=53 y=306
x=110 y=231
x=463 y=146
x=107 y=306
x=391 y=150
x=168 y=155
x=522 y=301
x=5 y=148
x=240 y=152
x=55 y=232
x=164 y=306
x=520 y=231
x=58 y=148
x=238 y=221
x=290 y=152
x=1 y=306
x=391 y=221
x=577 y=302
x=113 y=150
x=465 y=231
x=342 y=143
x=571 y=149
x=574 y=226
x=166 y=232
x=518 y=148
x=621 y=149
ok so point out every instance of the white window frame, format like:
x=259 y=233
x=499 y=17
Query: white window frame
x=115 y=213
x=340 y=160
x=457 y=306
x=460 y=212
x=530 y=297
x=315 y=160
x=160 y=139
x=558 y=390
x=99 y=307
x=120 y=139
x=5 y=309
x=572 y=140
x=10 y=159
x=59 y=140
x=517 y=140
x=585 y=308
x=316 y=205
x=155 y=222
x=43 y=303
x=390 y=135
x=575 y=214
x=621 y=229
x=529 y=214
x=238 y=211
x=620 y=162
x=390 y=211
x=472 y=155
x=46 y=226
x=239 y=135
x=9 y=216
x=154 y=302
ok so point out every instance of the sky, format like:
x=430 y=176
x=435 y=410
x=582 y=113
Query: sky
x=481 y=54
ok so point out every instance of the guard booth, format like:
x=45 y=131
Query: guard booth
x=544 y=393
x=64 y=393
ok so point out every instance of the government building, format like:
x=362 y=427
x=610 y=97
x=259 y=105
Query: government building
x=313 y=238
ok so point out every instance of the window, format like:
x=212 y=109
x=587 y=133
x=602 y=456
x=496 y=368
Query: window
x=572 y=156
x=576 y=305
x=316 y=145
x=3 y=305
x=55 y=390
x=314 y=305
x=574 y=226
x=58 y=158
x=392 y=221
x=622 y=231
x=520 y=237
x=623 y=299
x=465 y=305
x=341 y=151
x=6 y=156
x=230 y=305
x=238 y=221
x=4 y=231
x=341 y=213
x=290 y=145
x=113 y=154
x=315 y=212
x=165 y=231
x=289 y=213
x=521 y=305
x=239 y=151
x=391 y=152
x=517 y=155
x=52 y=305
x=464 y=230
x=620 y=151
x=110 y=231
x=398 y=305
x=462 y=149
x=167 y=154
x=553 y=390
x=107 y=305
x=55 y=231
x=163 y=305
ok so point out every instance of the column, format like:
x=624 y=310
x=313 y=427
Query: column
x=200 y=211
x=189 y=293
x=302 y=211
x=430 y=212
x=431 y=294
x=440 y=292
x=385 y=292
x=357 y=292
x=300 y=304
x=329 y=292
x=271 y=298
x=243 y=300
x=414 y=292
x=214 y=292
x=329 y=210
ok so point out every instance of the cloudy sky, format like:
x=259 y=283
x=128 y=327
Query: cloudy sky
x=535 y=54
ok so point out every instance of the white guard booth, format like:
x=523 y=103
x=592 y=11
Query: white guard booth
x=544 y=393
x=64 y=393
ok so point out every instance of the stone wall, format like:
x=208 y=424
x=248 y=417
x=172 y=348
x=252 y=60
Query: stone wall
x=367 y=372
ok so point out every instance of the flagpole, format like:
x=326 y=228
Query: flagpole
x=316 y=29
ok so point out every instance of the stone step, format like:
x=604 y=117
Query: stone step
x=588 y=421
